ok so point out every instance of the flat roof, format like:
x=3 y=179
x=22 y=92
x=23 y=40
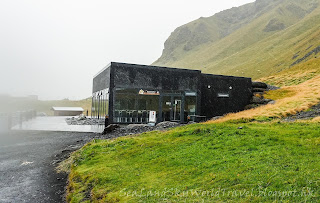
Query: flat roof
x=165 y=67
x=146 y=66
x=67 y=108
x=151 y=66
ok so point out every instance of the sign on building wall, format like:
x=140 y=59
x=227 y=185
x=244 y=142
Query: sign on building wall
x=153 y=117
x=223 y=95
x=148 y=92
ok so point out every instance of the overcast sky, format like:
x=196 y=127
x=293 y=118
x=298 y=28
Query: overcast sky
x=53 y=48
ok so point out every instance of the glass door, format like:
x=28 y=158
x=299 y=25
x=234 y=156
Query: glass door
x=167 y=108
x=171 y=108
x=177 y=109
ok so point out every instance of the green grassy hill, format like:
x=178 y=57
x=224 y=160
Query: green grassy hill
x=272 y=162
x=255 y=40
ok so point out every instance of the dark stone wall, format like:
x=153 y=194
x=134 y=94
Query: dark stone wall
x=240 y=94
x=102 y=80
x=154 y=78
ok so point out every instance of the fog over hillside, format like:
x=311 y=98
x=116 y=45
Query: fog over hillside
x=54 y=48
x=254 y=40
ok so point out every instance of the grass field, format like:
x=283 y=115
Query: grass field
x=262 y=162
x=295 y=75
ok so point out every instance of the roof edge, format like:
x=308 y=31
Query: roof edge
x=173 y=68
x=103 y=69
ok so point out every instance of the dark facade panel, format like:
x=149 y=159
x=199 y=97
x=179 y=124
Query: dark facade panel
x=224 y=94
x=178 y=94
x=160 y=78
x=102 y=80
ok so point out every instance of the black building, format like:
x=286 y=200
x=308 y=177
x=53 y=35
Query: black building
x=128 y=92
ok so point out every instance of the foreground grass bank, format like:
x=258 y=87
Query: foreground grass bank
x=211 y=162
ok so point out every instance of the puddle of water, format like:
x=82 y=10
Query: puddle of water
x=25 y=163
x=57 y=124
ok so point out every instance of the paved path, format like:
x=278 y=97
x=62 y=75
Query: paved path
x=27 y=164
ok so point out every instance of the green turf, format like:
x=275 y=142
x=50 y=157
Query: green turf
x=262 y=162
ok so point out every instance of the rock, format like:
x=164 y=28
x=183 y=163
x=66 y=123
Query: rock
x=256 y=84
x=216 y=118
x=267 y=101
x=313 y=112
x=84 y=121
x=270 y=87
x=258 y=94
x=135 y=126
x=167 y=124
x=272 y=102
x=81 y=117
x=256 y=89
x=256 y=100
x=259 y=100
x=110 y=128
x=251 y=106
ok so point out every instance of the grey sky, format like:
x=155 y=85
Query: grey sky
x=54 y=48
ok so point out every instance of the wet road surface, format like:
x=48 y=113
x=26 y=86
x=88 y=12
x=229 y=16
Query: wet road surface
x=27 y=164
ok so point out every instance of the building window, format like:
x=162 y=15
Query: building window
x=190 y=107
x=133 y=105
x=100 y=104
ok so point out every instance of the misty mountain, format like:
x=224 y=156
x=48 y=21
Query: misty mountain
x=255 y=40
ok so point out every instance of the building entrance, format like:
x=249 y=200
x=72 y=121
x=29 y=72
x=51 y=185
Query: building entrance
x=172 y=108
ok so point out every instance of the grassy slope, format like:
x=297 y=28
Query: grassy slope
x=220 y=157
x=251 y=52
x=289 y=101
x=295 y=75
x=211 y=29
